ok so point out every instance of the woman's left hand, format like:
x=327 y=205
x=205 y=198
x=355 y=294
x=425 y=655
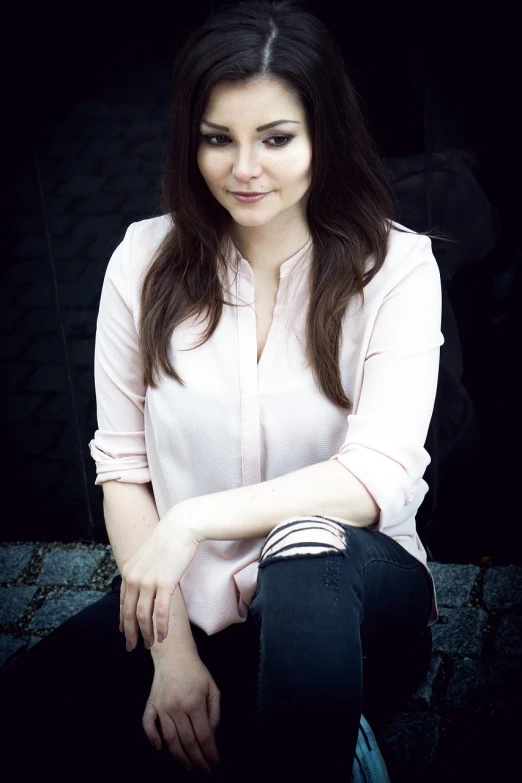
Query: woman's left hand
x=151 y=576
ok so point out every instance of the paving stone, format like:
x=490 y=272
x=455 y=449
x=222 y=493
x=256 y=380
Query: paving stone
x=453 y=582
x=413 y=737
x=69 y=566
x=14 y=601
x=509 y=636
x=484 y=684
x=10 y=644
x=56 y=611
x=503 y=587
x=13 y=560
x=459 y=631
x=424 y=693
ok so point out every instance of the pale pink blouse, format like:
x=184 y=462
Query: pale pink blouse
x=237 y=423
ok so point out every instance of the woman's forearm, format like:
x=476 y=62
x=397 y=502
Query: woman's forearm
x=130 y=517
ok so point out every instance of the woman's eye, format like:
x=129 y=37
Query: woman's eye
x=285 y=138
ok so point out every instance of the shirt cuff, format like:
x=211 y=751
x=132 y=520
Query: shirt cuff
x=385 y=480
x=120 y=456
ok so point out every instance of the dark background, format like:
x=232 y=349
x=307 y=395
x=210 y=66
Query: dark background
x=86 y=97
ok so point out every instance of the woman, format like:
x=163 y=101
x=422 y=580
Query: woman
x=270 y=467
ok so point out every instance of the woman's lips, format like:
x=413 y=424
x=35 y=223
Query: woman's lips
x=250 y=199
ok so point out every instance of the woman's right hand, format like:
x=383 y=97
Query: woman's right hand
x=186 y=700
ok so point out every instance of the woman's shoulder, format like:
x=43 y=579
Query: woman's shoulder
x=406 y=250
x=150 y=232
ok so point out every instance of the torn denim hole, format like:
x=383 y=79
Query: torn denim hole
x=292 y=537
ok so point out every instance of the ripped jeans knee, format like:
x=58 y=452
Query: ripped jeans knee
x=304 y=535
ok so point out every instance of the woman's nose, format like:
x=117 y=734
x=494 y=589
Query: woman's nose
x=246 y=163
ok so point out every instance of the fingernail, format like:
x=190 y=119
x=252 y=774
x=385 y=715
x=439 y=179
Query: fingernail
x=187 y=766
x=160 y=637
x=129 y=646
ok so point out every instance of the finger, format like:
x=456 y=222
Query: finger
x=213 y=706
x=144 y=612
x=123 y=589
x=149 y=725
x=205 y=735
x=162 y=610
x=171 y=738
x=130 y=621
x=189 y=742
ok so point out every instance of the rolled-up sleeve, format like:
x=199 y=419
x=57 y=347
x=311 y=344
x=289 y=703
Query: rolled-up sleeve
x=118 y=446
x=384 y=445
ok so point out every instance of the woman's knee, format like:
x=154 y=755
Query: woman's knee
x=304 y=535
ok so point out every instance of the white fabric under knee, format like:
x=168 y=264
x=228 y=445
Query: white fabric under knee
x=310 y=530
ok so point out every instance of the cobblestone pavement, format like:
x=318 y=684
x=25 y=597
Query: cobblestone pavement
x=470 y=695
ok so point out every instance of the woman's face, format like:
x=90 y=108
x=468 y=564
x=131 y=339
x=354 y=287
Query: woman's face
x=240 y=156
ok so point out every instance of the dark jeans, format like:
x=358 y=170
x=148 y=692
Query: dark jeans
x=320 y=627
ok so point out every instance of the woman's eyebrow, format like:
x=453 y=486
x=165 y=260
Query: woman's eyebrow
x=261 y=127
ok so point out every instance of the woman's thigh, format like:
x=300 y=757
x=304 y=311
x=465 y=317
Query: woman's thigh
x=395 y=638
x=369 y=581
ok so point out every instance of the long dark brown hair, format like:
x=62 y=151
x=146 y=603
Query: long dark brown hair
x=281 y=40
